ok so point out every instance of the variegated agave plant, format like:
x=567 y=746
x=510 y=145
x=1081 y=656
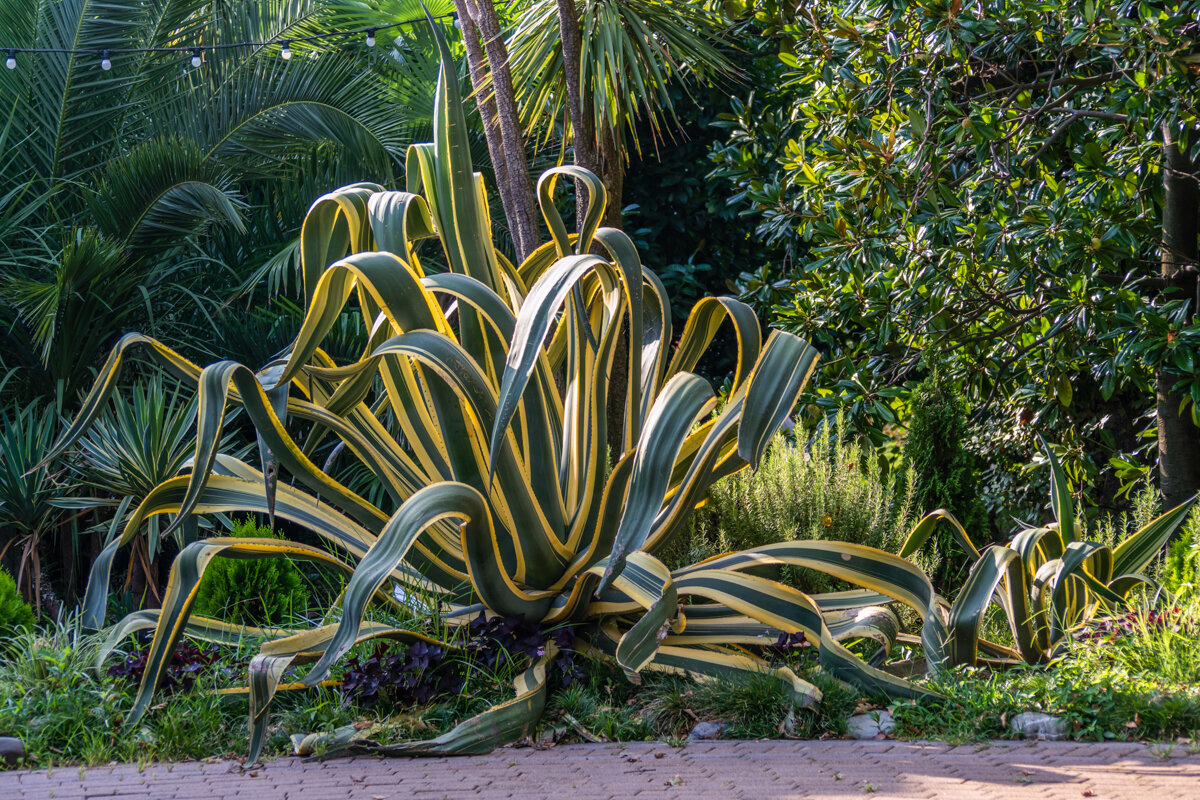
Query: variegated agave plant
x=1049 y=581
x=480 y=404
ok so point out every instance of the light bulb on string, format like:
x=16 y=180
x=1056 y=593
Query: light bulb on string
x=371 y=37
x=105 y=63
x=286 y=52
x=11 y=63
x=196 y=59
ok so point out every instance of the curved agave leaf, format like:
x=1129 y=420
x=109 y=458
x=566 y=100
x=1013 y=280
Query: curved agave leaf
x=685 y=398
x=702 y=324
x=499 y=725
x=707 y=662
x=533 y=323
x=267 y=668
x=784 y=366
x=792 y=611
x=222 y=493
x=1060 y=497
x=966 y=614
x=1136 y=552
x=186 y=572
x=925 y=528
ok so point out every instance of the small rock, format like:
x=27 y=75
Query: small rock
x=1036 y=725
x=12 y=750
x=871 y=725
x=707 y=730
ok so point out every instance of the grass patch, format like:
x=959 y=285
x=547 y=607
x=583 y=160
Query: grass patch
x=1131 y=678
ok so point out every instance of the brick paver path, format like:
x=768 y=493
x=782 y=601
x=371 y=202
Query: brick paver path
x=758 y=770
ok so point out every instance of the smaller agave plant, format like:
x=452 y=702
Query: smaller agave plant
x=480 y=405
x=1048 y=580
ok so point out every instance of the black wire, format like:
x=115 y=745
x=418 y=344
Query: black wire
x=229 y=46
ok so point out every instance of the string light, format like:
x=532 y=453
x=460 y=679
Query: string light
x=197 y=53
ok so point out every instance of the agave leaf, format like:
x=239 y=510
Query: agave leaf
x=597 y=200
x=864 y=566
x=708 y=662
x=791 y=611
x=202 y=628
x=966 y=615
x=499 y=725
x=221 y=494
x=702 y=324
x=1137 y=551
x=186 y=572
x=533 y=323
x=267 y=668
x=784 y=366
x=682 y=401
x=925 y=528
x=1060 y=498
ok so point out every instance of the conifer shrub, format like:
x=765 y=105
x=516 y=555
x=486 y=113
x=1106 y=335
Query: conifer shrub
x=945 y=474
x=255 y=591
x=15 y=613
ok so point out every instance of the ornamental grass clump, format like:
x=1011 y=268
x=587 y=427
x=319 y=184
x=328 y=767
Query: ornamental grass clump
x=480 y=404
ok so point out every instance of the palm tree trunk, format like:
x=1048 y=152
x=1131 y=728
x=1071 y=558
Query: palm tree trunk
x=583 y=123
x=521 y=208
x=1178 y=436
x=477 y=66
x=612 y=172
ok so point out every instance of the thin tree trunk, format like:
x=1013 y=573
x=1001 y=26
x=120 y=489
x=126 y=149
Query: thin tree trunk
x=477 y=66
x=612 y=172
x=523 y=220
x=1178 y=437
x=583 y=124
